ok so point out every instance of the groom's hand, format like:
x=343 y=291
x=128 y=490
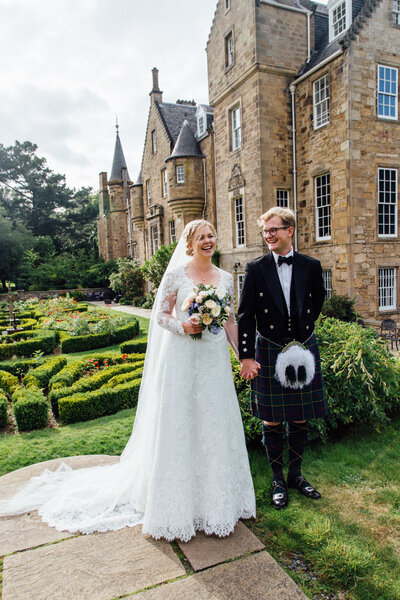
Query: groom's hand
x=249 y=368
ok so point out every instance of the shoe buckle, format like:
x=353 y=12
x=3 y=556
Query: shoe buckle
x=278 y=496
x=309 y=488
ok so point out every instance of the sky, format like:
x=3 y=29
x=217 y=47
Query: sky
x=70 y=67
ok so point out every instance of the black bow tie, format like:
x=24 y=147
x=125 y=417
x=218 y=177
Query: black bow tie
x=285 y=259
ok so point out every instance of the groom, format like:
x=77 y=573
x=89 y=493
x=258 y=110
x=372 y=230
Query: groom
x=281 y=298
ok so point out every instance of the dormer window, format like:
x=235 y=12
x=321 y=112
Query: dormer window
x=203 y=115
x=200 y=123
x=339 y=17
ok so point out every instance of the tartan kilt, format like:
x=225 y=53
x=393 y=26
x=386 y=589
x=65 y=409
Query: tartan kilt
x=272 y=402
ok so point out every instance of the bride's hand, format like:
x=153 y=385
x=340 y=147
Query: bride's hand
x=190 y=328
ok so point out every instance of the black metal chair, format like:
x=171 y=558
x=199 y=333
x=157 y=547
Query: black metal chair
x=389 y=331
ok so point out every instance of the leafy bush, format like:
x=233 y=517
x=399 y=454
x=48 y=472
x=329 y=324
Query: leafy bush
x=20 y=366
x=42 y=340
x=128 y=280
x=339 y=307
x=30 y=409
x=92 y=341
x=154 y=268
x=139 y=345
x=3 y=410
x=362 y=377
x=104 y=401
x=8 y=382
x=41 y=376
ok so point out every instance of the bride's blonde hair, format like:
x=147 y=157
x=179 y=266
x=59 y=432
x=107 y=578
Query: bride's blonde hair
x=190 y=230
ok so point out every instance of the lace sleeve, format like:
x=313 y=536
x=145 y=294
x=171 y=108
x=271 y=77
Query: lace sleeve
x=166 y=303
x=230 y=326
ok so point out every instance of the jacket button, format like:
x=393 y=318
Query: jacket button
x=308 y=311
x=271 y=326
x=265 y=310
x=243 y=341
x=261 y=294
x=310 y=294
x=245 y=335
x=244 y=349
x=307 y=327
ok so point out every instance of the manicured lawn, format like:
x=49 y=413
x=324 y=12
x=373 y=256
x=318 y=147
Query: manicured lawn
x=346 y=544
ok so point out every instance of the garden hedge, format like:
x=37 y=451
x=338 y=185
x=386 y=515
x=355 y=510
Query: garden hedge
x=88 y=384
x=80 y=343
x=8 y=382
x=104 y=401
x=30 y=409
x=24 y=324
x=3 y=410
x=32 y=341
x=41 y=375
x=20 y=366
x=139 y=345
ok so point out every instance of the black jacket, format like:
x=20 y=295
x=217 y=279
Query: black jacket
x=262 y=306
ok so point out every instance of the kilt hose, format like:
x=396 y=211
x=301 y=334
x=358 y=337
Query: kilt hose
x=274 y=403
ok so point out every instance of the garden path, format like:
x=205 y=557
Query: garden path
x=132 y=310
x=40 y=562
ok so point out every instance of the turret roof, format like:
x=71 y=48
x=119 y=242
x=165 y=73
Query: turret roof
x=186 y=144
x=119 y=161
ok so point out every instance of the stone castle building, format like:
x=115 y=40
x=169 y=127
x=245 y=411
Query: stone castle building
x=303 y=113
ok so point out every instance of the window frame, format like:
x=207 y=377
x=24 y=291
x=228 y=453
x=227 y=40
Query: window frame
x=320 y=210
x=285 y=192
x=154 y=239
x=172 y=232
x=148 y=191
x=321 y=114
x=332 y=7
x=396 y=12
x=146 y=244
x=239 y=283
x=384 y=274
x=240 y=237
x=164 y=182
x=229 y=50
x=387 y=94
x=153 y=141
x=393 y=218
x=236 y=132
x=327 y=279
x=180 y=174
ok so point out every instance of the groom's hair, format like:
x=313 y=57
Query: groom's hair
x=288 y=217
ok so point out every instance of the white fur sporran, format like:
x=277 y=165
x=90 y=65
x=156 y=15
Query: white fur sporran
x=295 y=366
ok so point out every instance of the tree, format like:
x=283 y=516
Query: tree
x=128 y=280
x=154 y=268
x=15 y=239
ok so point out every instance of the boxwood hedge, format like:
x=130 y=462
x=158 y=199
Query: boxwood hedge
x=8 y=382
x=139 y=345
x=20 y=366
x=80 y=343
x=32 y=341
x=3 y=410
x=30 y=409
x=41 y=375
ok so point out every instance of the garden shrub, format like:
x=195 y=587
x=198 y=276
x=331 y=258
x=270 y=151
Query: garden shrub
x=8 y=382
x=339 y=307
x=124 y=377
x=30 y=409
x=128 y=280
x=20 y=366
x=104 y=401
x=41 y=375
x=139 y=345
x=22 y=323
x=362 y=377
x=88 y=384
x=3 y=410
x=32 y=341
x=81 y=343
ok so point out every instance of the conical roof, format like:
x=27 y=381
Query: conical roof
x=119 y=161
x=186 y=144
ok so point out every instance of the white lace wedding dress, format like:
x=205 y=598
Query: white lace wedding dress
x=185 y=467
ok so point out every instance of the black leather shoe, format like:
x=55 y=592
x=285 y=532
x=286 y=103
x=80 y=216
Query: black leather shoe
x=279 y=495
x=304 y=487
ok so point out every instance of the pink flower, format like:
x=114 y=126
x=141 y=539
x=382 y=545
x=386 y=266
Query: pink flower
x=199 y=299
x=194 y=319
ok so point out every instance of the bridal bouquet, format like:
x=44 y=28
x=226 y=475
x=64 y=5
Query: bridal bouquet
x=207 y=306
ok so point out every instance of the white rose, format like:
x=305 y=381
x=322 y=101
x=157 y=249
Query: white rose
x=207 y=319
x=227 y=309
x=185 y=305
x=216 y=311
x=211 y=304
x=220 y=293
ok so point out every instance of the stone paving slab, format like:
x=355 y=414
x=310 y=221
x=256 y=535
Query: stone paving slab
x=26 y=531
x=204 y=551
x=100 y=566
x=256 y=577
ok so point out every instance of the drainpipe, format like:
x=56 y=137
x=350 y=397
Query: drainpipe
x=205 y=186
x=292 y=89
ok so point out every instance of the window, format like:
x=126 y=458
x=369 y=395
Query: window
x=239 y=221
x=135 y=254
x=396 y=12
x=339 y=19
x=229 y=50
x=154 y=237
x=146 y=244
x=282 y=198
x=148 y=191
x=236 y=129
x=321 y=102
x=387 y=289
x=172 y=233
x=323 y=207
x=200 y=125
x=164 y=186
x=227 y=5
x=154 y=141
x=180 y=176
x=240 y=279
x=387 y=202
x=387 y=92
x=327 y=277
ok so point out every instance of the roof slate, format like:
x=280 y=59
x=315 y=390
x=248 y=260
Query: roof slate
x=186 y=144
x=119 y=161
x=173 y=116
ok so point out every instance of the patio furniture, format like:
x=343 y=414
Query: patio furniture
x=390 y=332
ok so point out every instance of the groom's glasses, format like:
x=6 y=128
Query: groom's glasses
x=272 y=232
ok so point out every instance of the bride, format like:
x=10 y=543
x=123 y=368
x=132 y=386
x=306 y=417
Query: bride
x=185 y=467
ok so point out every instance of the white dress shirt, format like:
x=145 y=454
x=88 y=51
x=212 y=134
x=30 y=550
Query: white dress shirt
x=285 y=276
